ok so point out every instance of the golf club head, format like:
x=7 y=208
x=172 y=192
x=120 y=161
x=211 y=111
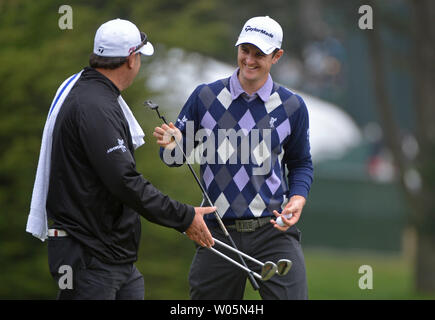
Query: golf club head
x=283 y=266
x=151 y=105
x=268 y=271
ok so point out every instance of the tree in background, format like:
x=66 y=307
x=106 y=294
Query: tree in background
x=424 y=75
x=417 y=176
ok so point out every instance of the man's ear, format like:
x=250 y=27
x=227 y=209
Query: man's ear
x=277 y=56
x=130 y=60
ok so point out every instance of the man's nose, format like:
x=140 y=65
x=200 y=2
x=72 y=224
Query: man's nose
x=250 y=58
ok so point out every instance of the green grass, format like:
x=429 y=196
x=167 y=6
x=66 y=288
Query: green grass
x=333 y=275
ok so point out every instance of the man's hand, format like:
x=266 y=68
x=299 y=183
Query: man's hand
x=165 y=135
x=198 y=230
x=294 y=206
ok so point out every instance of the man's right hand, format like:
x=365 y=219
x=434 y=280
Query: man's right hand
x=198 y=230
x=165 y=135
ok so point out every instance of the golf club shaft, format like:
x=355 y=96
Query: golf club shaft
x=236 y=263
x=218 y=218
x=204 y=192
x=223 y=244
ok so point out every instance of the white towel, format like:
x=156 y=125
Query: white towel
x=136 y=131
x=37 y=220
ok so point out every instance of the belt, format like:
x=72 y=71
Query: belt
x=248 y=225
x=57 y=233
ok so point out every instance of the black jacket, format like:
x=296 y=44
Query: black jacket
x=95 y=192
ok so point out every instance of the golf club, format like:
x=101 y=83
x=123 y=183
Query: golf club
x=154 y=106
x=282 y=267
x=268 y=269
x=266 y=272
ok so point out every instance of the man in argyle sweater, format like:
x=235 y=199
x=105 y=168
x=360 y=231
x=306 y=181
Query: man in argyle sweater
x=250 y=130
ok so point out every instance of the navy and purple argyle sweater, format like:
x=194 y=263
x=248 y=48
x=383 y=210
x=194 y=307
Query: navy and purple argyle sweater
x=246 y=148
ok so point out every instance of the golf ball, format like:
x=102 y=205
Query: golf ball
x=280 y=222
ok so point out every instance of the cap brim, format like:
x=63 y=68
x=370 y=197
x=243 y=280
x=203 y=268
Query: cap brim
x=147 y=49
x=263 y=46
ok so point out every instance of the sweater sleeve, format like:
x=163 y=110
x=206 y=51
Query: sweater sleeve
x=188 y=123
x=297 y=153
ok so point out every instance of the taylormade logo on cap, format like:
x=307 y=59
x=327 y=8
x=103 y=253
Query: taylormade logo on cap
x=118 y=38
x=249 y=28
x=263 y=32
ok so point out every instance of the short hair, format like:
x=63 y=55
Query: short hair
x=96 y=61
x=275 y=51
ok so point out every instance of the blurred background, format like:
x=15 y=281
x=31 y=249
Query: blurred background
x=369 y=92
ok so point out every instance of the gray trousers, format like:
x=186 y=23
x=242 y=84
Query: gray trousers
x=91 y=278
x=211 y=277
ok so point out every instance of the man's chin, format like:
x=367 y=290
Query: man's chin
x=250 y=75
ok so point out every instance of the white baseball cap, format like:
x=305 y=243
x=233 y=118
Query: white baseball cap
x=263 y=32
x=119 y=38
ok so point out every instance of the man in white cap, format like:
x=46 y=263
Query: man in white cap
x=88 y=194
x=250 y=189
